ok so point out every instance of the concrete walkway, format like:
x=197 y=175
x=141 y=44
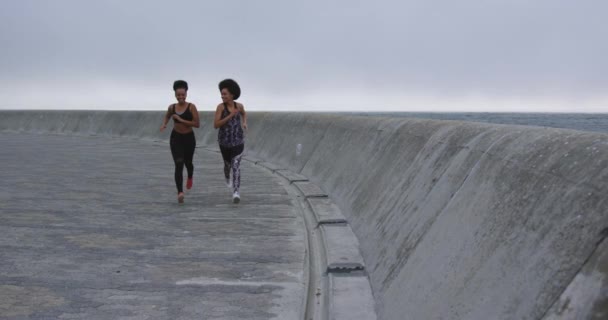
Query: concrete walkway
x=90 y=229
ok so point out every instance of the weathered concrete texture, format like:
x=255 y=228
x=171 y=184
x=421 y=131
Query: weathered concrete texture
x=310 y=190
x=351 y=298
x=270 y=166
x=90 y=229
x=587 y=296
x=325 y=211
x=333 y=248
x=455 y=220
x=291 y=176
x=341 y=248
x=252 y=159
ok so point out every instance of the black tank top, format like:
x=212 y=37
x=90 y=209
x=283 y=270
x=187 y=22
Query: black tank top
x=187 y=115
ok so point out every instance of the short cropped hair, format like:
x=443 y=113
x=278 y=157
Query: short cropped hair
x=180 y=84
x=232 y=87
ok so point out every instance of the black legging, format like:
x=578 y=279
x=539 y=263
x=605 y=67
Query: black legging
x=182 y=150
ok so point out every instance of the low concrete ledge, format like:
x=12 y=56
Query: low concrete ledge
x=350 y=298
x=341 y=249
x=291 y=176
x=270 y=166
x=325 y=211
x=251 y=159
x=310 y=190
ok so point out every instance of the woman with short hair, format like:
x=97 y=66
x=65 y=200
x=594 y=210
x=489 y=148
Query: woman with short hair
x=182 y=141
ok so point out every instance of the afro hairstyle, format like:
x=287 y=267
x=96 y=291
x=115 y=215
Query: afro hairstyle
x=180 y=84
x=232 y=87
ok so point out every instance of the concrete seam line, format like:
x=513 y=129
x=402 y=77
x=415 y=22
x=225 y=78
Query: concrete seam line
x=291 y=176
x=270 y=166
x=473 y=168
x=316 y=146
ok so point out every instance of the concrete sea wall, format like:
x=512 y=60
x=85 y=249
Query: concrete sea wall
x=455 y=220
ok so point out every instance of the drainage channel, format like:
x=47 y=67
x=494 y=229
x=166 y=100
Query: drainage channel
x=316 y=306
x=335 y=278
x=317 y=297
x=317 y=303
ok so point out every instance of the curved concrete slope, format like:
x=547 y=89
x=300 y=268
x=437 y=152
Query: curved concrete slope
x=455 y=220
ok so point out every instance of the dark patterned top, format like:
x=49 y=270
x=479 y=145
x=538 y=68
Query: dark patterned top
x=231 y=134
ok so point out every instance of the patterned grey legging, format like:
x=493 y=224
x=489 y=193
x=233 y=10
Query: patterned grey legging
x=232 y=160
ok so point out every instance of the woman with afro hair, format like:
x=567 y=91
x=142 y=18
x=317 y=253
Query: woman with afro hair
x=231 y=120
x=182 y=141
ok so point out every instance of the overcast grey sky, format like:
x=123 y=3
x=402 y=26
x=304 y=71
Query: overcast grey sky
x=432 y=55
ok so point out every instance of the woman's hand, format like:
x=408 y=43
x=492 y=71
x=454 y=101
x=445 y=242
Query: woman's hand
x=234 y=112
x=177 y=118
x=163 y=127
x=245 y=126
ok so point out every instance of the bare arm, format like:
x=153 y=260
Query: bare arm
x=218 y=121
x=244 y=116
x=166 y=119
